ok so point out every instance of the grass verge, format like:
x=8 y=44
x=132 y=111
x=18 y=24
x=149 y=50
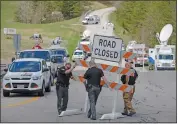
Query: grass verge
x=119 y=30
x=65 y=29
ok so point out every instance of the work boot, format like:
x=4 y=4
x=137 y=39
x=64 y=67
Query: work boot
x=89 y=115
x=93 y=118
x=131 y=113
x=125 y=112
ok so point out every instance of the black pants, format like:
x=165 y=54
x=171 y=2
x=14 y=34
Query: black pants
x=93 y=94
x=62 y=97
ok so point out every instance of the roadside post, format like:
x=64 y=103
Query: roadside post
x=17 y=43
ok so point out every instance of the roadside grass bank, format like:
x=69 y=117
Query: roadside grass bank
x=69 y=32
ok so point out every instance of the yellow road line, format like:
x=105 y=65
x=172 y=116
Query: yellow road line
x=22 y=102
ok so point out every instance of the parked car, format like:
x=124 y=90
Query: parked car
x=27 y=75
x=43 y=54
x=59 y=60
x=56 y=50
x=78 y=54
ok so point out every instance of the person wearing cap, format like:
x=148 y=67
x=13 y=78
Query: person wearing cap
x=93 y=78
x=127 y=96
x=63 y=75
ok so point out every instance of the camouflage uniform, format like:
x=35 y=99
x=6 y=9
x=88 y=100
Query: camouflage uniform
x=127 y=96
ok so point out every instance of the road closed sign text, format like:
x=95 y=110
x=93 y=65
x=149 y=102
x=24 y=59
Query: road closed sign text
x=107 y=48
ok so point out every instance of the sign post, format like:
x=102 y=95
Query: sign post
x=143 y=54
x=17 y=43
x=108 y=48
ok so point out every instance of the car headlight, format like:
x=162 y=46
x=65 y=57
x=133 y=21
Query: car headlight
x=36 y=78
x=6 y=78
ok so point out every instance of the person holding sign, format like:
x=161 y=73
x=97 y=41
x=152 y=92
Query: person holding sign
x=127 y=96
x=93 y=77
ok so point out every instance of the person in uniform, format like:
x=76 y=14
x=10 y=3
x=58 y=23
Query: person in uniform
x=136 y=76
x=93 y=77
x=64 y=74
x=127 y=96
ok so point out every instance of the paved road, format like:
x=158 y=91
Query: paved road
x=154 y=100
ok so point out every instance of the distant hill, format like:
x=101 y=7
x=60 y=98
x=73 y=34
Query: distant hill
x=140 y=20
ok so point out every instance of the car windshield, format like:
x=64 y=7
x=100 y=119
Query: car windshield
x=62 y=52
x=78 y=53
x=166 y=57
x=25 y=66
x=59 y=59
x=35 y=54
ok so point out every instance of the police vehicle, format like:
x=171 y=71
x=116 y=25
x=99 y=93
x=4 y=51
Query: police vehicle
x=43 y=54
x=27 y=75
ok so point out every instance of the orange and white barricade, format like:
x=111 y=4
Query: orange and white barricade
x=113 y=85
x=106 y=67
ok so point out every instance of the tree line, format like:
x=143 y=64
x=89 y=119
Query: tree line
x=38 y=12
x=143 y=19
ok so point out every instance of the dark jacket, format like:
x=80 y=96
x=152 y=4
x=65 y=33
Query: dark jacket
x=132 y=79
x=63 y=78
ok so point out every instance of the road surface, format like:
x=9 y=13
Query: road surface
x=154 y=99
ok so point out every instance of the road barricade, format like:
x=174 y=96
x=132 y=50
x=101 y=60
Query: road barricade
x=114 y=85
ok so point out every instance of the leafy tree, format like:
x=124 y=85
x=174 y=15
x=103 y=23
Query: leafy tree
x=142 y=19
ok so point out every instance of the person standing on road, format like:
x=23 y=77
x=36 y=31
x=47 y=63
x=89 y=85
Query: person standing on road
x=93 y=77
x=127 y=96
x=136 y=76
x=64 y=74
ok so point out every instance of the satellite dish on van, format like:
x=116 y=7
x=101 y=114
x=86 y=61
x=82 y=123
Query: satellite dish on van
x=165 y=33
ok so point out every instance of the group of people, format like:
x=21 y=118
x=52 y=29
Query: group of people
x=92 y=84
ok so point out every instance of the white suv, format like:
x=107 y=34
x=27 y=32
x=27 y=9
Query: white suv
x=78 y=54
x=27 y=75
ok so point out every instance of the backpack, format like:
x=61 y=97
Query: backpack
x=132 y=79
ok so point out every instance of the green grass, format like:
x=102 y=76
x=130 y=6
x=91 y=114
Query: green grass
x=119 y=31
x=65 y=29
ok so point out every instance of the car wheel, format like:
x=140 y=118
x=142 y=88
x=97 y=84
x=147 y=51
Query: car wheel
x=52 y=80
x=42 y=91
x=6 y=94
x=48 y=89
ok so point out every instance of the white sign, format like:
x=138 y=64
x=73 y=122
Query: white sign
x=139 y=48
x=107 y=48
x=10 y=31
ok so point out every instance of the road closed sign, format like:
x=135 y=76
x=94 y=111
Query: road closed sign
x=107 y=48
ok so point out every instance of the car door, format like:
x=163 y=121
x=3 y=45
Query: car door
x=68 y=58
x=47 y=73
x=44 y=73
